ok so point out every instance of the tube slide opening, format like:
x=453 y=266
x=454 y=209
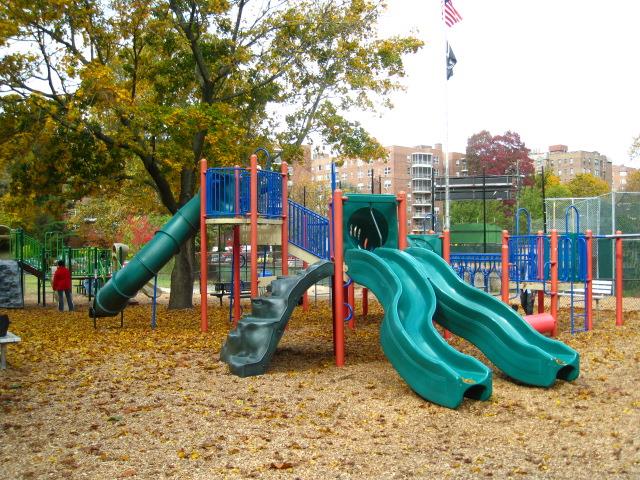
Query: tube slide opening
x=368 y=228
x=476 y=392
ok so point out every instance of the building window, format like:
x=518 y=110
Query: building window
x=387 y=184
x=360 y=174
x=387 y=171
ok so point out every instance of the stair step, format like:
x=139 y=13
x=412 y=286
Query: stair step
x=267 y=306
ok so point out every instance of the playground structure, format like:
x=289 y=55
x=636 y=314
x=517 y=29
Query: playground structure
x=364 y=240
x=554 y=265
x=38 y=258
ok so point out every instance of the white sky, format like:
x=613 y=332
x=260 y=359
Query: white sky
x=555 y=71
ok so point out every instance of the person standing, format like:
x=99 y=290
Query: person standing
x=62 y=285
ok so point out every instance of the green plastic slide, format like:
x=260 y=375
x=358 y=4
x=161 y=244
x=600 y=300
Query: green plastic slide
x=417 y=351
x=495 y=328
x=251 y=345
x=125 y=283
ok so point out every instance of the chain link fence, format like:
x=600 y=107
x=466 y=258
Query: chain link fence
x=604 y=215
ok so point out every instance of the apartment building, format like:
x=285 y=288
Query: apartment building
x=407 y=169
x=567 y=165
x=620 y=174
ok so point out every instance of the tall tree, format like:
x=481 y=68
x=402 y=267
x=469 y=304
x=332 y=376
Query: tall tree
x=165 y=82
x=531 y=196
x=633 y=182
x=499 y=155
x=587 y=185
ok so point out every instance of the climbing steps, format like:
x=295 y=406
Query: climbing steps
x=250 y=347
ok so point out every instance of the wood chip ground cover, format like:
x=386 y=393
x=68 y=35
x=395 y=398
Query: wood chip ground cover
x=136 y=403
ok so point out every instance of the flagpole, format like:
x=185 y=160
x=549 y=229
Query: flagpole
x=447 y=199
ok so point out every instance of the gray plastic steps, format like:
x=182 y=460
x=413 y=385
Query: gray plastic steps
x=251 y=346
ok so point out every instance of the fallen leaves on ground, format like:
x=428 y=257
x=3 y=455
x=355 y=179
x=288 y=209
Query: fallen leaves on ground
x=134 y=402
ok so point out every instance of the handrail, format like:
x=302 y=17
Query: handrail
x=228 y=192
x=308 y=230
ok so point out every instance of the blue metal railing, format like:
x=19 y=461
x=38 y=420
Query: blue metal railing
x=470 y=264
x=524 y=258
x=222 y=184
x=269 y=194
x=308 y=230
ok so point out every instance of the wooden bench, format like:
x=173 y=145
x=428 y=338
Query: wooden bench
x=4 y=341
x=599 y=290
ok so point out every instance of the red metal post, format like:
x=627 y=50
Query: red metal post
x=236 y=253
x=305 y=296
x=619 y=319
x=446 y=245
x=236 y=274
x=402 y=220
x=554 y=280
x=254 y=226
x=446 y=254
x=285 y=219
x=338 y=279
x=541 y=270
x=589 y=280
x=365 y=302
x=204 y=322
x=504 y=283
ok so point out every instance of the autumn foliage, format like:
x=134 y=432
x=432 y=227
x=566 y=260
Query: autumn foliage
x=499 y=155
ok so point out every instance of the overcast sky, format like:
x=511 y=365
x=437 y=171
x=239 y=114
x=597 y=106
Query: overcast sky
x=555 y=71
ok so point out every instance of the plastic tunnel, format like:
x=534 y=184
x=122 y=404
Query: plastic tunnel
x=126 y=283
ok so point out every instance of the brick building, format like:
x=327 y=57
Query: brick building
x=620 y=174
x=407 y=169
x=567 y=165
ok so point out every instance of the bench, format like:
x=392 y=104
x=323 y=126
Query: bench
x=4 y=341
x=599 y=290
x=223 y=289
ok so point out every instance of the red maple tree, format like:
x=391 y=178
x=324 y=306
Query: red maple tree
x=499 y=155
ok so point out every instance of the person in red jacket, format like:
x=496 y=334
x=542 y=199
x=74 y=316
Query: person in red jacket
x=62 y=285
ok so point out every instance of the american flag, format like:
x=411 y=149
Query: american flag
x=450 y=14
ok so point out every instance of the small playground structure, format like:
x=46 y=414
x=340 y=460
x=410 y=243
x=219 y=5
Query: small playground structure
x=363 y=241
x=90 y=266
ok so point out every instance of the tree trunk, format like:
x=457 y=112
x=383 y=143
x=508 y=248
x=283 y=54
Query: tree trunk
x=183 y=277
x=183 y=274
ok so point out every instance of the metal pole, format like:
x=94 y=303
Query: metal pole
x=254 y=226
x=203 y=252
x=554 y=280
x=155 y=301
x=484 y=211
x=284 y=248
x=619 y=278
x=504 y=284
x=433 y=199
x=402 y=220
x=589 y=280
x=544 y=204
x=372 y=181
x=338 y=291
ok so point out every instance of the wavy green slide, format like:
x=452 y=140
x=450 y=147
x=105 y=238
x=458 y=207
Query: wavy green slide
x=417 y=351
x=496 y=329
x=126 y=282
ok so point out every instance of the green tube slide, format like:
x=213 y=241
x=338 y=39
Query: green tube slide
x=417 y=351
x=495 y=328
x=126 y=283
